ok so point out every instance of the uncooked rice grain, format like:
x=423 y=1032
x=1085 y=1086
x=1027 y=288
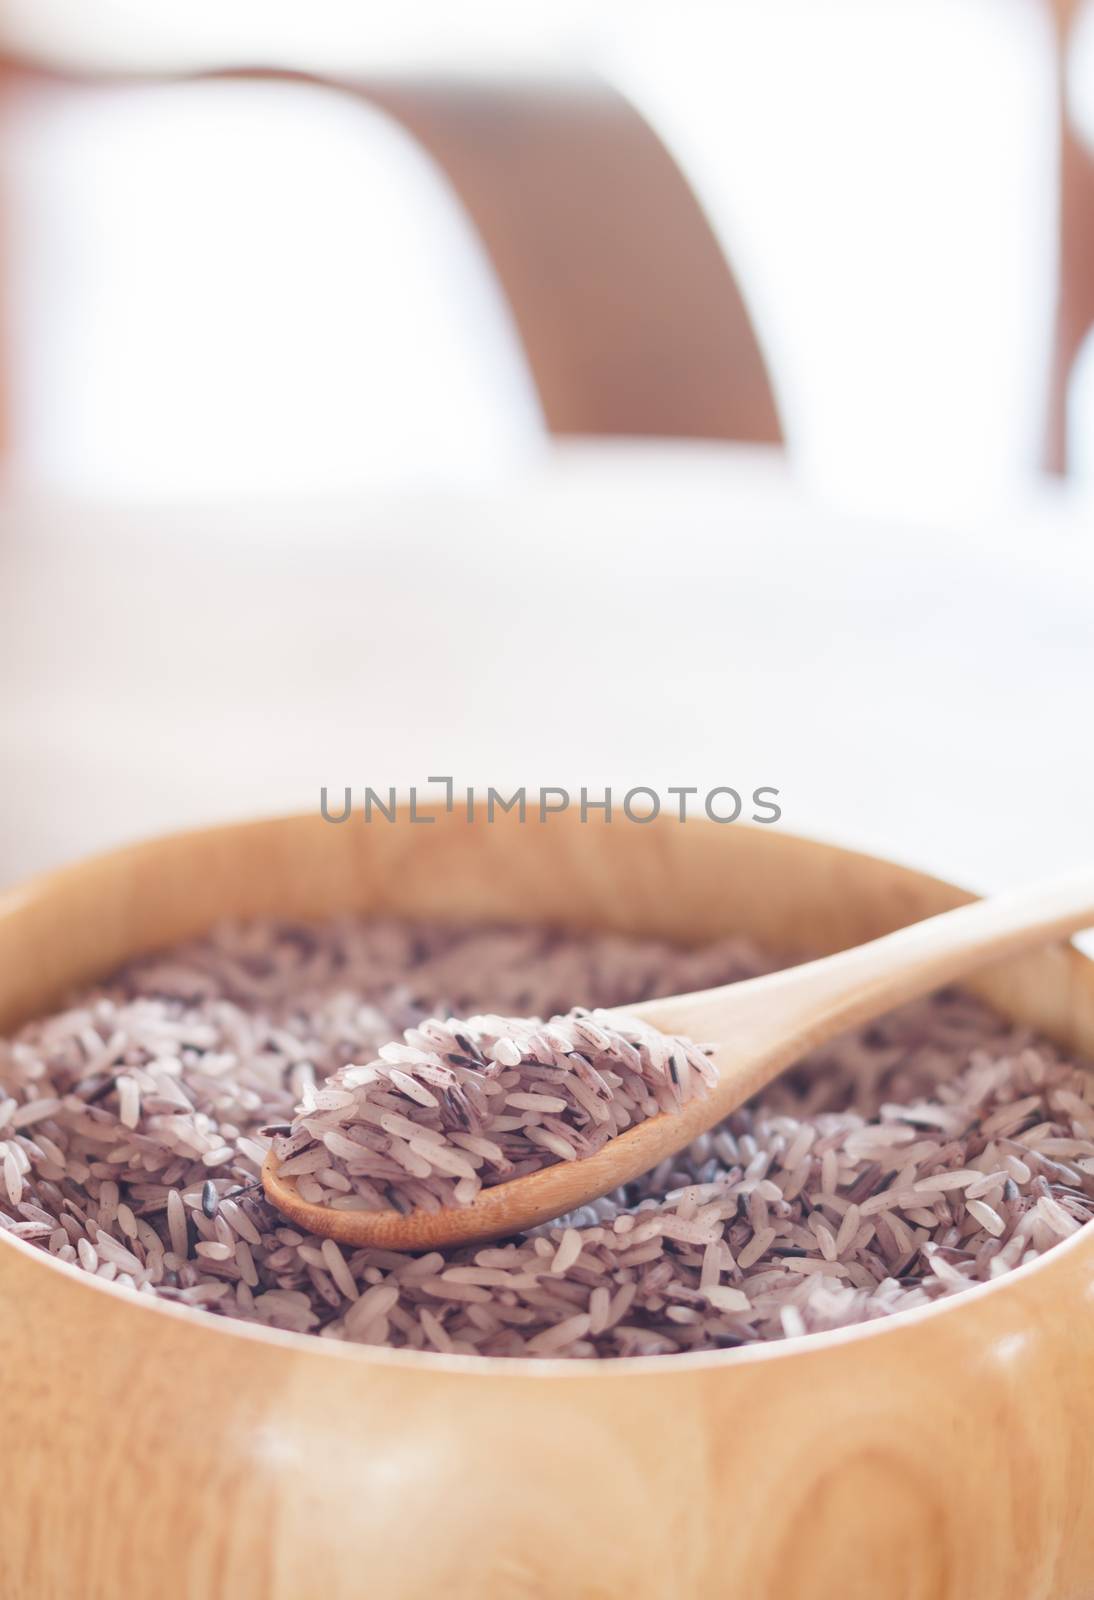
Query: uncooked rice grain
x=459 y=1105
x=938 y=1148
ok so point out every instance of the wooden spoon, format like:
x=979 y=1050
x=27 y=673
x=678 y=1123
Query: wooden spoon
x=760 y=1026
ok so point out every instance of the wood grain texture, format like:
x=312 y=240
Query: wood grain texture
x=152 y=1452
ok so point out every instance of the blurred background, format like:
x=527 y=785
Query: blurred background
x=554 y=394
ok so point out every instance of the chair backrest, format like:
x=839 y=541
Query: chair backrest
x=628 y=310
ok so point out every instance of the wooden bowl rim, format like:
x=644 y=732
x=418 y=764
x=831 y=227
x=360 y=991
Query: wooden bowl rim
x=204 y=1324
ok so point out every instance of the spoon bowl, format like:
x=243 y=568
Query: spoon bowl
x=760 y=1026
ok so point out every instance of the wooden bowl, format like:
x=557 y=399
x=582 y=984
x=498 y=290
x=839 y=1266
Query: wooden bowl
x=152 y=1451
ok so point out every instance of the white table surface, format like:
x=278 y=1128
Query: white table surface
x=623 y=614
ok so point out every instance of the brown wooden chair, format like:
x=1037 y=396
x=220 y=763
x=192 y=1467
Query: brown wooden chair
x=628 y=311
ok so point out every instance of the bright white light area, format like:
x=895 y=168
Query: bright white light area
x=882 y=174
x=233 y=287
x=1081 y=109
x=1080 y=74
x=337 y=35
x=1080 y=419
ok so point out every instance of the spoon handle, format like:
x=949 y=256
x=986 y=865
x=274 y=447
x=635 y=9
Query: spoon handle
x=765 y=1023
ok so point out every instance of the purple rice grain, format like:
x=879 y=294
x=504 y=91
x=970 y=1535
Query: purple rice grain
x=133 y=1125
